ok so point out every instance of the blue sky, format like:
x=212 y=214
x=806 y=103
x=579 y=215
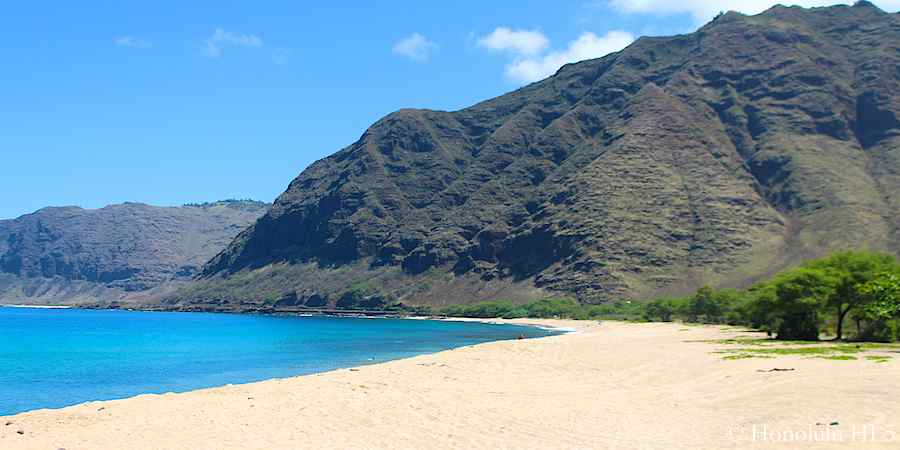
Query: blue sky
x=163 y=103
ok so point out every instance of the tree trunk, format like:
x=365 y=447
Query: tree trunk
x=842 y=313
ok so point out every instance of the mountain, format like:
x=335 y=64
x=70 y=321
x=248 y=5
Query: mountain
x=715 y=157
x=71 y=254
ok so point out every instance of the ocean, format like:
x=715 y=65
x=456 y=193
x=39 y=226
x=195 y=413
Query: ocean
x=51 y=358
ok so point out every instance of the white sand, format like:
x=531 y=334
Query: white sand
x=612 y=386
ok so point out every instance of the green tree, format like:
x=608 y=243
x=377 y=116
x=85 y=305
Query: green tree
x=798 y=296
x=705 y=306
x=660 y=309
x=881 y=315
x=760 y=310
x=554 y=307
x=851 y=270
x=482 y=310
x=884 y=291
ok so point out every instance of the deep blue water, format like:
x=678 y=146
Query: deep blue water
x=51 y=358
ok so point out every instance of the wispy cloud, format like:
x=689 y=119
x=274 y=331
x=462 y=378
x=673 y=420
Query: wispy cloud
x=415 y=46
x=587 y=46
x=132 y=42
x=704 y=10
x=522 y=42
x=530 y=62
x=222 y=39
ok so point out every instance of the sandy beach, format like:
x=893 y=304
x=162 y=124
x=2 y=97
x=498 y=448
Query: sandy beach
x=605 y=386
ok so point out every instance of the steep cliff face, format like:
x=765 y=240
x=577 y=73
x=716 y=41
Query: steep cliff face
x=73 y=252
x=712 y=157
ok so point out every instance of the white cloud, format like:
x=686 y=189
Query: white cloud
x=704 y=10
x=414 y=46
x=220 y=39
x=132 y=42
x=521 y=42
x=526 y=69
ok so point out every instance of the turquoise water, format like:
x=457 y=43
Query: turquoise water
x=51 y=358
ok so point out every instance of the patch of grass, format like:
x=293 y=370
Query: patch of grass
x=755 y=342
x=730 y=341
x=787 y=342
x=745 y=356
x=878 y=358
x=837 y=357
x=812 y=351
x=763 y=348
x=877 y=346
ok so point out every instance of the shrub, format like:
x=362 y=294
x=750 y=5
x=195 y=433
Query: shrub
x=516 y=313
x=554 y=307
x=661 y=309
x=880 y=330
x=364 y=296
x=481 y=310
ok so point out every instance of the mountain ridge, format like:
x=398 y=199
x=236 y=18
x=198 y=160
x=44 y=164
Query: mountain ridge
x=73 y=254
x=715 y=157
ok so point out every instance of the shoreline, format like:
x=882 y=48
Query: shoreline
x=608 y=385
x=552 y=331
x=541 y=324
x=38 y=306
x=360 y=314
x=545 y=326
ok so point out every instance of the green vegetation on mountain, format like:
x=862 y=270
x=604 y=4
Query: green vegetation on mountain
x=714 y=158
x=800 y=303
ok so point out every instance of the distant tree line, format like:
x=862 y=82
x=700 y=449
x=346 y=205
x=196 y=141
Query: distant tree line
x=849 y=294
